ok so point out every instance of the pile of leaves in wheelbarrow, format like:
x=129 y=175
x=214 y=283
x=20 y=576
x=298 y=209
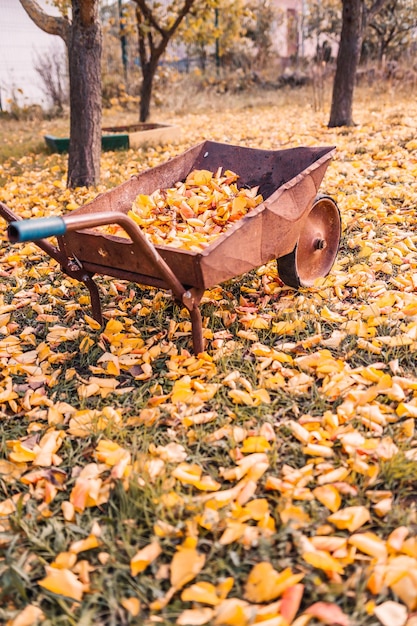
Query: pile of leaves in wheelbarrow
x=270 y=479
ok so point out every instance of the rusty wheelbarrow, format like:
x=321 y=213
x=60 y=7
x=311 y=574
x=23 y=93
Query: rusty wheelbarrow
x=292 y=225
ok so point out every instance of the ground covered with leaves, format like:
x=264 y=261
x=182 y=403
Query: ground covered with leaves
x=270 y=479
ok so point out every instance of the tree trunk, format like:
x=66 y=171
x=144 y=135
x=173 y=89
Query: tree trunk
x=84 y=53
x=153 y=39
x=347 y=63
x=148 y=74
x=83 y=39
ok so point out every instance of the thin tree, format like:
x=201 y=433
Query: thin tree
x=83 y=38
x=392 y=29
x=51 y=68
x=354 y=20
x=157 y=24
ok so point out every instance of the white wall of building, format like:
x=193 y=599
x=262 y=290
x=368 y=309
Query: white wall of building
x=20 y=41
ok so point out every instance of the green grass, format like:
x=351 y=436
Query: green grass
x=34 y=534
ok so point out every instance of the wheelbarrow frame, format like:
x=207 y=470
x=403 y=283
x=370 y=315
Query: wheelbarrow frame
x=288 y=180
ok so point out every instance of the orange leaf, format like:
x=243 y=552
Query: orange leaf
x=328 y=614
x=290 y=602
x=264 y=583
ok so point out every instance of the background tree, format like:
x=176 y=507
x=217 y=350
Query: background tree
x=217 y=31
x=263 y=15
x=323 y=21
x=82 y=35
x=390 y=31
x=157 y=24
x=355 y=15
x=52 y=70
x=200 y=32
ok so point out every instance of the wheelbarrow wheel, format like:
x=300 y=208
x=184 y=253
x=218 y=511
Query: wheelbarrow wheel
x=316 y=248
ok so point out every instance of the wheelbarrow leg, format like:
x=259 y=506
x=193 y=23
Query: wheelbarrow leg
x=191 y=299
x=197 y=330
x=94 y=298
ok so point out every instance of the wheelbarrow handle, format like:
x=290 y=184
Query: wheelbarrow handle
x=35 y=229
x=39 y=228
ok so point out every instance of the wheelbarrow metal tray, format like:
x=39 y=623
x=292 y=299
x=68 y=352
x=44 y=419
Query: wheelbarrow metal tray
x=288 y=181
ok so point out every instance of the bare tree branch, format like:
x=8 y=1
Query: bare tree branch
x=375 y=8
x=149 y=17
x=181 y=14
x=53 y=25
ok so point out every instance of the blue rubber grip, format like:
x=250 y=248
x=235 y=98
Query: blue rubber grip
x=34 y=229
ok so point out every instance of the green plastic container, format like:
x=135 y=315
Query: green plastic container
x=108 y=142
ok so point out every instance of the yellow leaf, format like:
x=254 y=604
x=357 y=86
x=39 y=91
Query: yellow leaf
x=370 y=544
x=294 y=515
x=89 y=543
x=203 y=592
x=391 y=613
x=331 y=316
x=49 y=445
x=396 y=539
x=239 y=396
x=258 y=509
x=350 y=518
x=22 y=454
x=329 y=496
x=288 y=328
x=224 y=587
x=30 y=616
x=406 y=589
x=182 y=391
x=233 y=532
x=63 y=582
x=195 y=617
x=111 y=453
x=132 y=605
x=256 y=459
x=323 y=560
x=93 y=324
x=185 y=566
x=144 y=557
x=65 y=560
x=255 y=444
x=410 y=547
x=192 y=475
x=113 y=327
x=330 y=544
x=265 y=584
x=89 y=489
x=231 y=612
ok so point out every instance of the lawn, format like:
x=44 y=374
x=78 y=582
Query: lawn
x=270 y=479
